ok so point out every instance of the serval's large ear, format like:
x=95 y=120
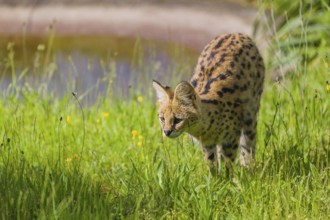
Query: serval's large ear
x=185 y=94
x=164 y=93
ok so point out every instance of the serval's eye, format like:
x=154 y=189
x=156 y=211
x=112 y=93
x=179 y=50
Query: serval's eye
x=177 y=120
x=162 y=119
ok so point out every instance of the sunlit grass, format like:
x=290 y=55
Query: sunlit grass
x=123 y=167
x=64 y=158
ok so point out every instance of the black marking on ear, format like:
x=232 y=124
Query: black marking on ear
x=161 y=85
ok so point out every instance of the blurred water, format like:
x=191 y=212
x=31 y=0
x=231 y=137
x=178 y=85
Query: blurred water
x=93 y=66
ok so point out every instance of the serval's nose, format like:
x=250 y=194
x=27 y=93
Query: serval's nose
x=167 y=132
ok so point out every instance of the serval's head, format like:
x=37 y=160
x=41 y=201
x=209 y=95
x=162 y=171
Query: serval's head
x=178 y=108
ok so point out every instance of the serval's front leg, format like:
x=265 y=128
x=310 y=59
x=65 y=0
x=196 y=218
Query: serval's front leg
x=211 y=157
x=228 y=152
x=215 y=155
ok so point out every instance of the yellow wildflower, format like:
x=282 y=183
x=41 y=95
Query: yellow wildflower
x=134 y=132
x=98 y=121
x=140 y=99
x=105 y=114
x=68 y=119
x=139 y=144
x=68 y=160
x=328 y=87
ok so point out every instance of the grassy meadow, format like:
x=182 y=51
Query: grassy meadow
x=63 y=159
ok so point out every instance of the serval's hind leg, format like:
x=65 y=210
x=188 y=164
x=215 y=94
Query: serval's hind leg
x=248 y=138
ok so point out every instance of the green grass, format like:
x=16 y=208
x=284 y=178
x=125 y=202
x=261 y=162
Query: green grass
x=60 y=161
x=63 y=159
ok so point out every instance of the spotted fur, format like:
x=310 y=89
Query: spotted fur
x=220 y=104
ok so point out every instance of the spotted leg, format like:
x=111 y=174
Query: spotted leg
x=210 y=156
x=228 y=152
x=248 y=141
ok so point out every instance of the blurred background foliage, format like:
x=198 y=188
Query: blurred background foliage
x=126 y=2
x=300 y=32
